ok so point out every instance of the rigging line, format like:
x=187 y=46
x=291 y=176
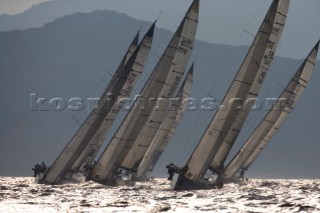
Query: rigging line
x=168 y=34
x=159 y=15
x=78 y=122
x=118 y=59
x=254 y=16
x=268 y=93
x=244 y=30
x=253 y=123
x=219 y=78
x=59 y=139
x=251 y=127
x=275 y=70
x=76 y=113
x=62 y=135
x=188 y=139
x=143 y=22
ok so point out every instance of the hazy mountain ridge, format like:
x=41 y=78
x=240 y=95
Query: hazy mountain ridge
x=68 y=57
x=45 y=12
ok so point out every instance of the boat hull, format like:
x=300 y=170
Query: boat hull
x=183 y=183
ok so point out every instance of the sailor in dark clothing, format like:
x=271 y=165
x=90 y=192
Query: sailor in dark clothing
x=88 y=167
x=39 y=168
x=241 y=174
x=43 y=167
x=36 y=169
x=172 y=169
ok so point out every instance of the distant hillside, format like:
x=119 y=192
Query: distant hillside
x=48 y=11
x=74 y=56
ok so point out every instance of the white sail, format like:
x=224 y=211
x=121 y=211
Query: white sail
x=89 y=153
x=273 y=119
x=148 y=132
x=79 y=141
x=167 y=128
x=162 y=83
x=277 y=16
x=228 y=120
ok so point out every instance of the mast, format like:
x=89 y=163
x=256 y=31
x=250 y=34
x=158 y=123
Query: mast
x=91 y=150
x=162 y=83
x=167 y=128
x=78 y=142
x=277 y=16
x=228 y=120
x=274 y=118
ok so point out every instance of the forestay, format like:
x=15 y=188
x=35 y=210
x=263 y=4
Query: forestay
x=228 y=120
x=87 y=130
x=167 y=128
x=88 y=155
x=274 y=118
x=162 y=83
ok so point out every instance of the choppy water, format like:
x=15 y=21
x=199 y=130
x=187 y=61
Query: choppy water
x=22 y=195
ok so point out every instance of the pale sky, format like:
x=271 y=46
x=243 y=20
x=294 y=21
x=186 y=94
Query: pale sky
x=221 y=21
x=13 y=7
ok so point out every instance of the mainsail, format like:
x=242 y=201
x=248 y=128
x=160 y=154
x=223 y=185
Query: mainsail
x=274 y=118
x=89 y=153
x=79 y=141
x=162 y=83
x=229 y=119
x=167 y=128
x=277 y=15
x=147 y=134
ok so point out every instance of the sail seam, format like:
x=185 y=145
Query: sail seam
x=289 y=91
x=243 y=82
x=272 y=122
x=194 y=20
x=178 y=72
x=260 y=31
x=278 y=23
x=281 y=14
x=313 y=63
x=304 y=86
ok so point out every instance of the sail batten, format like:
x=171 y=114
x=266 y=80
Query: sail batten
x=157 y=85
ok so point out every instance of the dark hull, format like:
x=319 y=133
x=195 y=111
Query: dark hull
x=184 y=183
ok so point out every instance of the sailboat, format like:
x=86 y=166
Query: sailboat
x=60 y=168
x=272 y=121
x=88 y=155
x=143 y=142
x=166 y=129
x=221 y=133
x=162 y=83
